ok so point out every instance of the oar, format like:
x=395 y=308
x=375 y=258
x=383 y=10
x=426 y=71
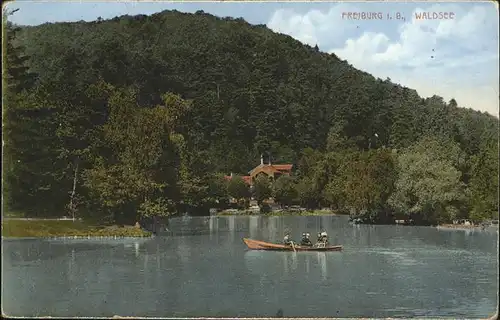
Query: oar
x=293 y=247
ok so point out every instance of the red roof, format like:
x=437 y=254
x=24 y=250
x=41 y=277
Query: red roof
x=247 y=179
x=273 y=167
x=283 y=167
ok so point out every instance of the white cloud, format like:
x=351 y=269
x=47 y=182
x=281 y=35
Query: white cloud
x=312 y=28
x=455 y=58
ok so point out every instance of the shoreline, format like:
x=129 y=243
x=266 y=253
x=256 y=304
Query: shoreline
x=77 y=238
x=246 y=213
x=282 y=213
x=67 y=229
x=462 y=227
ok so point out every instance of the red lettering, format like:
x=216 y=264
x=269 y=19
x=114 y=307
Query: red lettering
x=434 y=15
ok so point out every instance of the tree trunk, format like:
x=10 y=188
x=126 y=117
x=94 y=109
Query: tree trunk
x=73 y=193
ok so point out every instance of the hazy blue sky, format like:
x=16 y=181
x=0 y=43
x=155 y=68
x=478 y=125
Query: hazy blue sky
x=454 y=58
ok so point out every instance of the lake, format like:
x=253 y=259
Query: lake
x=202 y=268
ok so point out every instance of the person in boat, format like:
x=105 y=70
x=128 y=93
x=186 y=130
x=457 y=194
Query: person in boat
x=306 y=241
x=287 y=240
x=322 y=238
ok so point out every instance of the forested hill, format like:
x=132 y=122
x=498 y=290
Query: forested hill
x=250 y=91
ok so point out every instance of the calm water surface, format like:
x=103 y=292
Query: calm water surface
x=204 y=269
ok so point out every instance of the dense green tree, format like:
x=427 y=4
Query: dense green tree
x=262 y=189
x=143 y=151
x=308 y=161
x=19 y=109
x=33 y=172
x=428 y=188
x=369 y=183
x=238 y=189
x=217 y=190
x=284 y=190
x=16 y=75
x=307 y=196
x=484 y=183
x=361 y=183
x=337 y=141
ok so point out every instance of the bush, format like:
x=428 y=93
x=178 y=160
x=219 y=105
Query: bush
x=265 y=208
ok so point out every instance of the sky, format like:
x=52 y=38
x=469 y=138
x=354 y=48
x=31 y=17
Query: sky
x=454 y=56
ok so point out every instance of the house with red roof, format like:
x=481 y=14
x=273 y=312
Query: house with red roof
x=273 y=171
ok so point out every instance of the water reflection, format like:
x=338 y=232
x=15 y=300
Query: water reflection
x=293 y=259
x=253 y=226
x=285 y=264
x=303 y=264
x=322 y=264
x=308 y=262
x=211 y=223
x=231 y=223
x=71 y=265
x=204 y=269
x=183 y=250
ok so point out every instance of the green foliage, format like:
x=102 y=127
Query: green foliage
x=307 y=195
x=284 y=190
x=217 y=189
x=96 y=132
x=16 y=75
x=158 y=207
x=483 y=191
x=336 y=140
x=142 y=152
x=360 y=182
x=428 y=188
x=237 y=188
x=262 y=188
x=308 y=161
x=32 y=169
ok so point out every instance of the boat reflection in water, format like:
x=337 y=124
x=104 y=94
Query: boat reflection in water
x=258 y=262
x=314 y=264
x=308 y=262
x=290 y=261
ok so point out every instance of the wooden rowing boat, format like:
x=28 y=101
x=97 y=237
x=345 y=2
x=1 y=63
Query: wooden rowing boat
x=261 y=245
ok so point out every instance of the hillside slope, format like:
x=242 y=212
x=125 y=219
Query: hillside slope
x=232 y=91
x=253 y=89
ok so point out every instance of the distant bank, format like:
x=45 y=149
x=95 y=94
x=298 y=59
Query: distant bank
x=51 y=228
x=280 y=212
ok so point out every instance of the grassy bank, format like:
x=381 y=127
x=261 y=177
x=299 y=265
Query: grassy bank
x=13 y=214
x=277 y=213
x=66 y=228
